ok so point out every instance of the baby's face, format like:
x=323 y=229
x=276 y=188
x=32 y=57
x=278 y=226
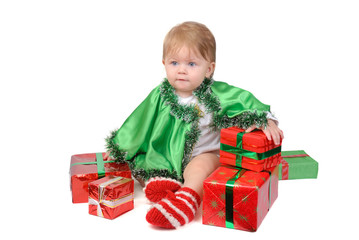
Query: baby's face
x=186 y=70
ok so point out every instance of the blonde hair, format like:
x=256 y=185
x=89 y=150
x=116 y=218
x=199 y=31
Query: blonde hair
x=196 y=36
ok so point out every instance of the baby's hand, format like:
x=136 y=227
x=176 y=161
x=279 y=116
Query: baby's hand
x=271 y=131
x=107 y=156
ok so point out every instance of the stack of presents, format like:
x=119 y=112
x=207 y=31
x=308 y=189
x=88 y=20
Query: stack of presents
x=106 y=186
x=237 y=195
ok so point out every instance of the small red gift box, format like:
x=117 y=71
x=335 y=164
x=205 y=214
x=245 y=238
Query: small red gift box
x=238 y=198
x=111 y=196
x=89 y=167
x=251 y=150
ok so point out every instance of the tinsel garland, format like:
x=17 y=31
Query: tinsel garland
x=189 y=114
x=243 y=120
x=212 y=105
x=186 y=113
x=145 y=175
x=114 y=149
x=205 y=96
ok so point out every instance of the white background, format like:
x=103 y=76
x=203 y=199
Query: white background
x=72 y=71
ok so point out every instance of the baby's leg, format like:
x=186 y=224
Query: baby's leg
x=180 y=208
x=198 y=169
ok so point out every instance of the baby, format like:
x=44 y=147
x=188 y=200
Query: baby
x=171 y=140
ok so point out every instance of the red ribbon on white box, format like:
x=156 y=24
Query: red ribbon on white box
x=109 y=203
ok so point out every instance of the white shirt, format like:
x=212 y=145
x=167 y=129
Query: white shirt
x=208 y=139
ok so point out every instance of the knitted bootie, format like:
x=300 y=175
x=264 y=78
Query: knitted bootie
x=175 y=210
x=156 y=188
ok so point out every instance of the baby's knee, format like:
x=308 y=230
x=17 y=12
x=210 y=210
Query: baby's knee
x=206 y=163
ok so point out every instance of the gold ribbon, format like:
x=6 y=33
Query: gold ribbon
x=110 y=203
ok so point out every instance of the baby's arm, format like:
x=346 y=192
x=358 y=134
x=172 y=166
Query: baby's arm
x=271 y=131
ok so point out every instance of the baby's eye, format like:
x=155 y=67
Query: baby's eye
x=192 y=64
x=174 y=63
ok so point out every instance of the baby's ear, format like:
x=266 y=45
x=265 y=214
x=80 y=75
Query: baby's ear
x=210 y=70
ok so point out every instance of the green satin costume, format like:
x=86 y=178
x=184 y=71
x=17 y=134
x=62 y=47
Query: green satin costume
x=157 y=139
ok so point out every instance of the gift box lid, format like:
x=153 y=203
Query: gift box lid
x=255 y=141
x=248 y=179
x=86 y=164
x=111 y=187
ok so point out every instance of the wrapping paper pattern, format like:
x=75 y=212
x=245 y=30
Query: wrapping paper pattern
x=82 y=173
x=297 y=164
x=253 y=195
x=111 y=196
x=255 y=142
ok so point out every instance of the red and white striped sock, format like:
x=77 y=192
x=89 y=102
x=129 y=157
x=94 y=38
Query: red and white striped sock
x=156 y=188
x=175 y=210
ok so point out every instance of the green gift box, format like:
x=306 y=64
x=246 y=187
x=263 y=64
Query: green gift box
x=297 y=165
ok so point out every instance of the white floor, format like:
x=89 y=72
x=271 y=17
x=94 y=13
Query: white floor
x=73 y=70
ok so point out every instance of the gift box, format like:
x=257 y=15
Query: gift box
x=89 y=167
x=297 y=165
x=251 y=150
x=111 y=196
x=238 y=198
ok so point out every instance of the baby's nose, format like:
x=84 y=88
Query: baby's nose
x=182 y=69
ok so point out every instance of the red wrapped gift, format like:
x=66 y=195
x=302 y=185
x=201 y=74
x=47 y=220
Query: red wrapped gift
x=251 y=150
x=111 y=196
x=89 y=167
x=238 y=198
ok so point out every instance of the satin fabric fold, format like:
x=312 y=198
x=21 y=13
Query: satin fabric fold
x=152 y=137
x=235 y=101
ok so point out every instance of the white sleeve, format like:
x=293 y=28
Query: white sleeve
x=270 y=116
